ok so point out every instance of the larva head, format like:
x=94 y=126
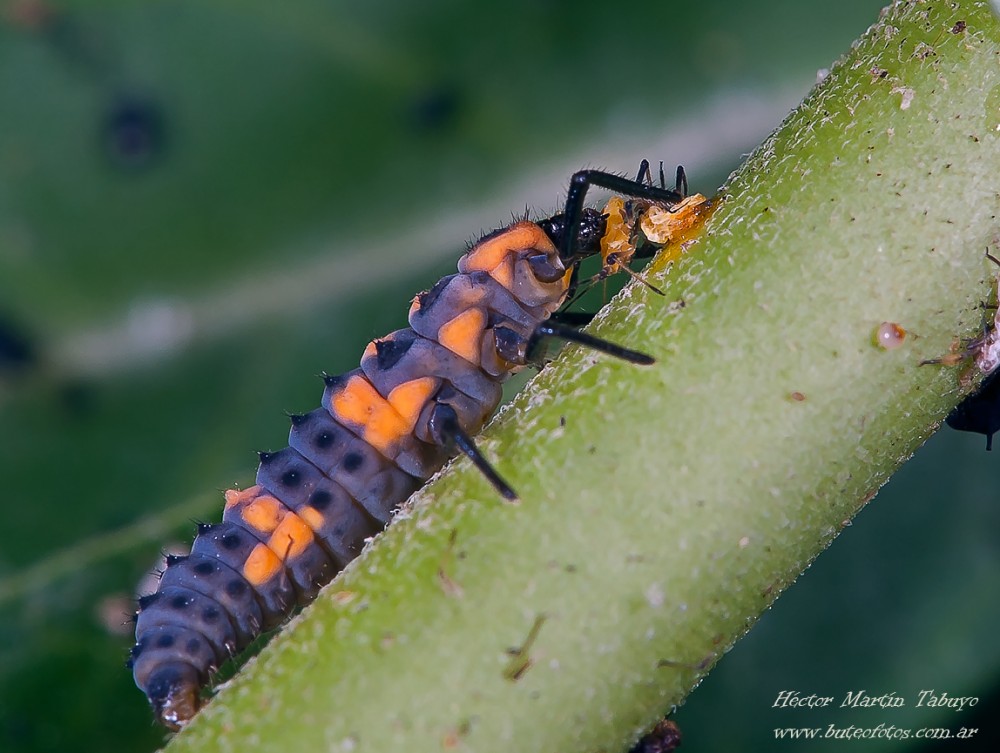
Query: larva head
x=590 y=230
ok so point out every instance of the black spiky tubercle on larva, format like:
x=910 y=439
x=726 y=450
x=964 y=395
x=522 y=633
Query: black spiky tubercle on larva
x=416 y=399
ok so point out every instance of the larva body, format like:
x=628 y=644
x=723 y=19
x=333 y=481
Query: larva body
x=417 y=398
x=348 y=465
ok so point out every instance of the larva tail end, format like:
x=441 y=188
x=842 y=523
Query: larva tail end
x=173 y=693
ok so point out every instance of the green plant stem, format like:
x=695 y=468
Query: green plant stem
x=664 y=508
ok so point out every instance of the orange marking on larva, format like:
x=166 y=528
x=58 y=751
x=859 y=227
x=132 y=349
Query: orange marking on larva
x=409 y=398
x=263 y=513
x=488 y=254
x=261 y=565
x=360 y=404
x=235 y=496
x=504 y=273
x=313 y=517
x=291 y=537
x=462 y=335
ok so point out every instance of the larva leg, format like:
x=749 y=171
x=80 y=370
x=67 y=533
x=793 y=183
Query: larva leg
x=573 y=318
x=645 y=177
x=447 y=431
x=559 y=331
x=516 y=348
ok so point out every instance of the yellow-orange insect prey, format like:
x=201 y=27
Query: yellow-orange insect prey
x=418 y=397
x=617 y=239
x=663 y=226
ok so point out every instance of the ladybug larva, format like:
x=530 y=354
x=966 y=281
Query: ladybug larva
x=417 y=399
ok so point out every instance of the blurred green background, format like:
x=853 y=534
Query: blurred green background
x=204 y=204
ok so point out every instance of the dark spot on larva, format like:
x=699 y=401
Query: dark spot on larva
x=333 y=380
x=265 y=457
x=175 y=559
x=145 y=601
x=291 y=478
x=297 y=419
x=204 y=528
x=323 y=439
x=231 y=541
x=389 y=351
x=204 y=568
x=236 y=588
x=210 y=614
x=321 y=499
x=180 y=602
x=427 y=298
x=193 y=646
x=165 y=641
x=353 y=461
